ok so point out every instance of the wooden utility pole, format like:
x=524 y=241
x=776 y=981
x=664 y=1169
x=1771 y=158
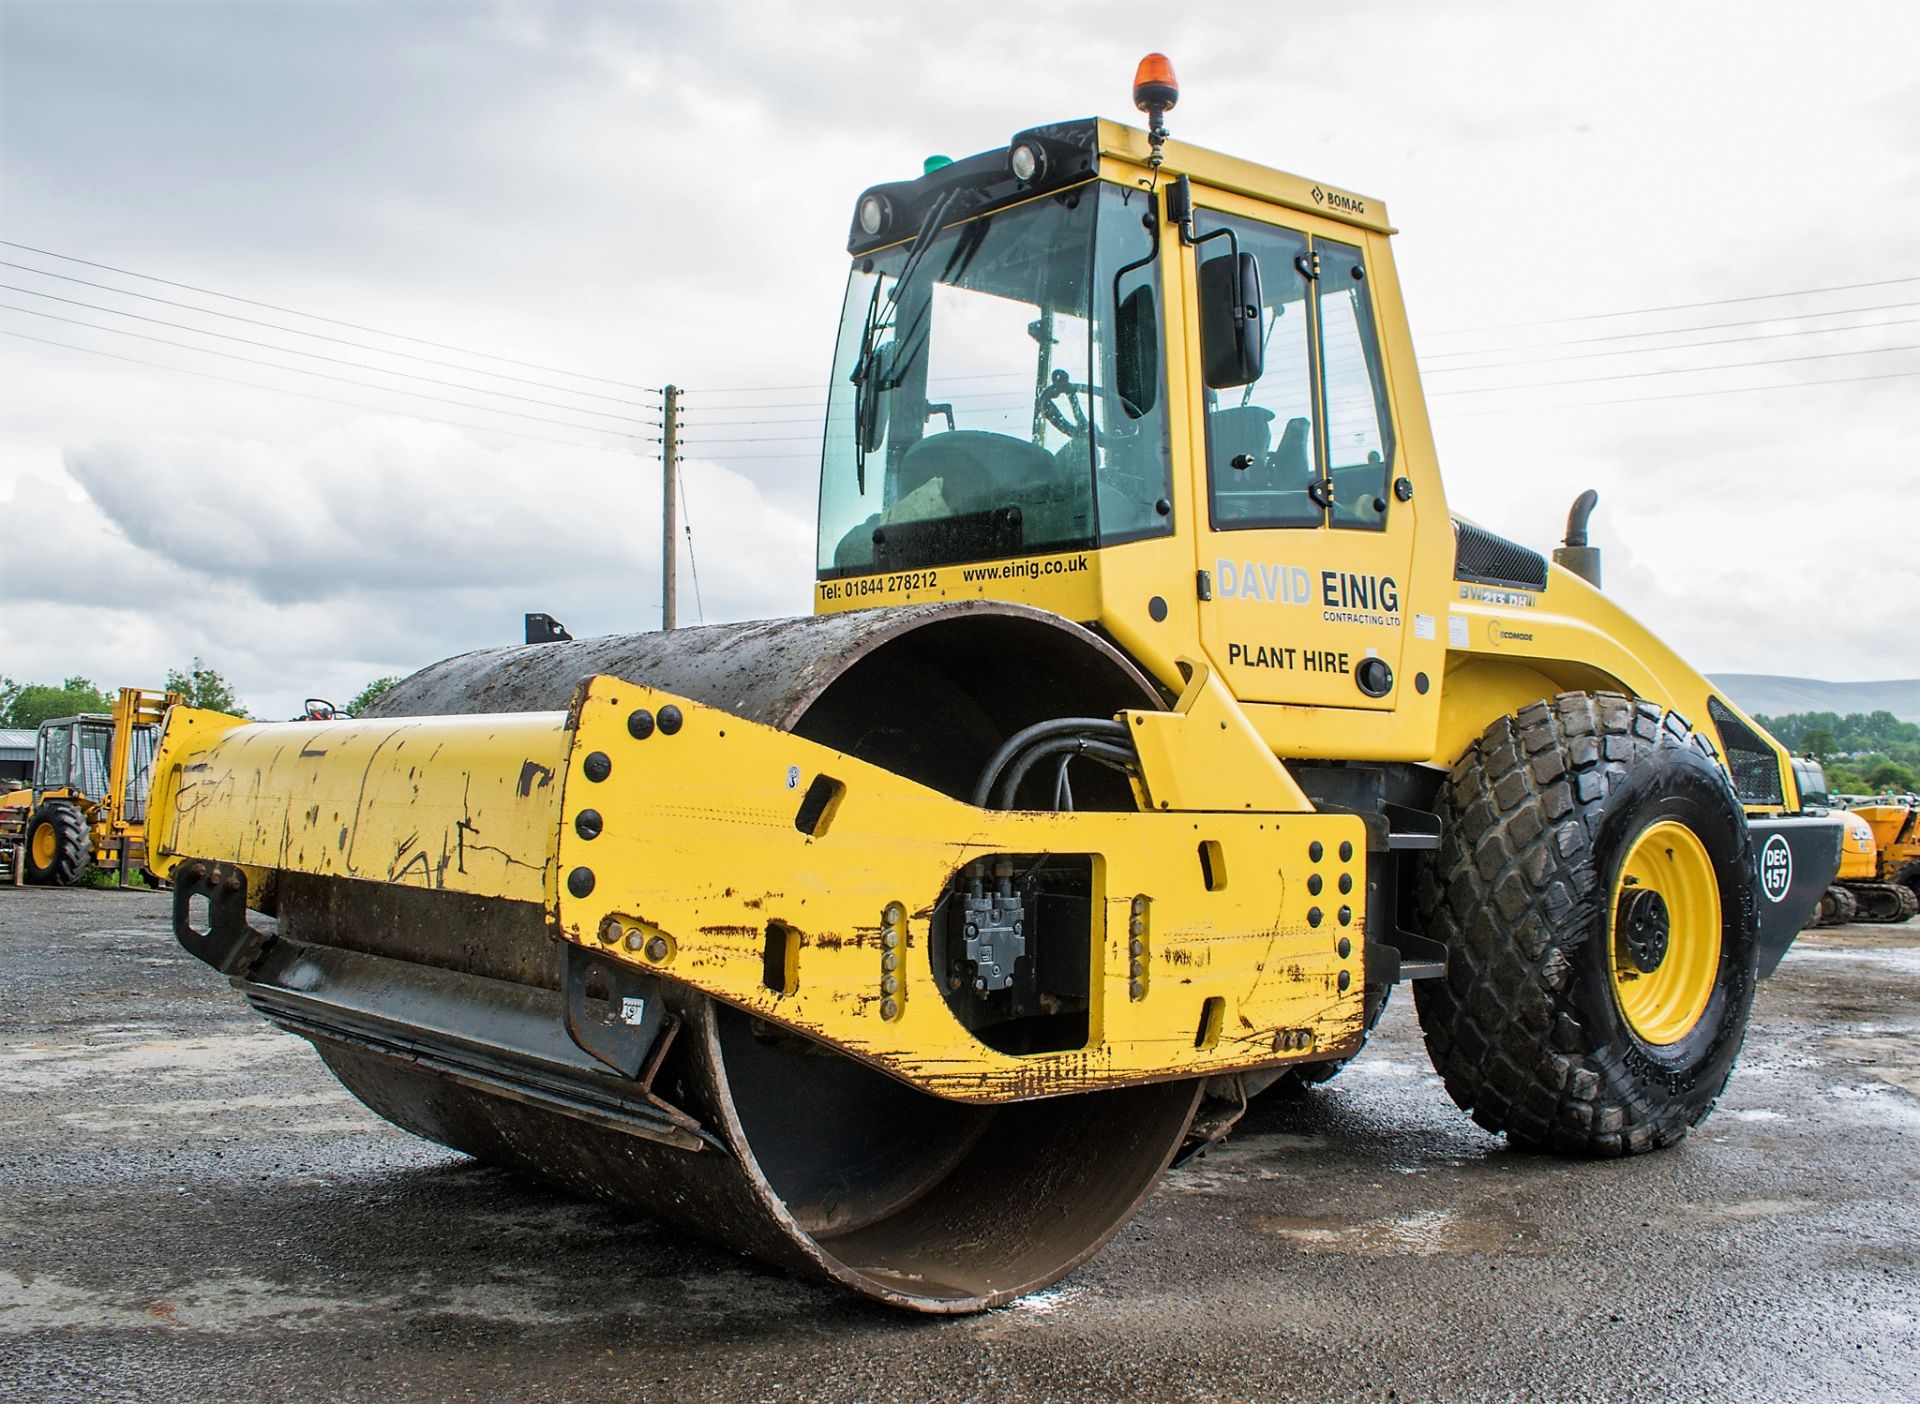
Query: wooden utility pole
x=669 y=507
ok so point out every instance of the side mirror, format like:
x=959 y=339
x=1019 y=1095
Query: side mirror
x=1232 y=330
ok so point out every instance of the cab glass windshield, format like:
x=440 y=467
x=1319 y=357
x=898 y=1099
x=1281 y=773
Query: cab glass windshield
x=998 y=394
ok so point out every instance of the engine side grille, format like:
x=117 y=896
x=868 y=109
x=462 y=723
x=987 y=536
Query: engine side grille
x=1481 y=556
x=1755 y=767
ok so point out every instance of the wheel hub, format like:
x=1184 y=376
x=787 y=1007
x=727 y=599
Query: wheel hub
x=1645 y=927
x=1666 y=932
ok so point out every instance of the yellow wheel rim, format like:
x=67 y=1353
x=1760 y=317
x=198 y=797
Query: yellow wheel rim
x=1677 y=933
x=46 y=843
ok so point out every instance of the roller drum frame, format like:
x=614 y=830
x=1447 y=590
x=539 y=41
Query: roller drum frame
x=446 y=1013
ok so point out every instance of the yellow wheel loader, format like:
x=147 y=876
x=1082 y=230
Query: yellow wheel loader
x=1156 y=718
x=87 y=804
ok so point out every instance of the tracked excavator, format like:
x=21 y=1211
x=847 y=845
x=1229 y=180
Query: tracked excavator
x=1894 y=821
x=1156 y=718
x=1878 y=880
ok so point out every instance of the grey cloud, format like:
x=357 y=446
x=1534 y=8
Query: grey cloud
x=661 y=192
x=373 y=548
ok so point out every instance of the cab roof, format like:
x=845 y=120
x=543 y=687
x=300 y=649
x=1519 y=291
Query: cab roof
x=1078 y=150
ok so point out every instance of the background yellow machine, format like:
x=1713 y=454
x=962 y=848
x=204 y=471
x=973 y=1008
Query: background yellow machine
x=1879 y=875
x=1156 y=718
x=88 y=801
x=1890 y=891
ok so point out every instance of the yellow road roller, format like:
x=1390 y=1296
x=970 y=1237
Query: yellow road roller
x=1156 y=718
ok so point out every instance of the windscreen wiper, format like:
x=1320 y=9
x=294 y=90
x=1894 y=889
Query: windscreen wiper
x=879 y=318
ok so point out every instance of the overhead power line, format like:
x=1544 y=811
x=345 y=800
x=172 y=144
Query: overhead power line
x=770 y=389
x=317 y=336
x=305 y=395
x=769 y=439
x=693 y=566
x=322 y=375
x=1678 y=306
x=1678 y=370
x=1680 y=346
x=331 y=321
x=1678 y=331
x=1683 y=395
x=314 y=355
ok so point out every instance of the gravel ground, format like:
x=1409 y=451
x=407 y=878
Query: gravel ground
x=192 y=1209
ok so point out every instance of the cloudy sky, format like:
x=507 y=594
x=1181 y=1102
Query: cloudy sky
x=644 y=193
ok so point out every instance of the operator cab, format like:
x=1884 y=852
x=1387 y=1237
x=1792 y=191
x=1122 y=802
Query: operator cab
x=1150 y=399
x=997 y=388
x=73 y=754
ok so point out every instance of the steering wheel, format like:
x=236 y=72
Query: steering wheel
x=1060 y=386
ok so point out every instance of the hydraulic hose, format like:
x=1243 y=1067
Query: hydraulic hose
x=1087 y=727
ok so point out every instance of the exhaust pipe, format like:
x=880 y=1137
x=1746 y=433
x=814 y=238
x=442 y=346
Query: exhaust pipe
x=1576 y=555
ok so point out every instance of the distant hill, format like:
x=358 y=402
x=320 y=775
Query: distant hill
x=1775 y=697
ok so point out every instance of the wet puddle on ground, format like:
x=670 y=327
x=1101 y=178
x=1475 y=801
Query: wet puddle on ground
x=1427 y=1233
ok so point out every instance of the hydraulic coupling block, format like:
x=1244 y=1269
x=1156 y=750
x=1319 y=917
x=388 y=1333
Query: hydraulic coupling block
x=995 y=938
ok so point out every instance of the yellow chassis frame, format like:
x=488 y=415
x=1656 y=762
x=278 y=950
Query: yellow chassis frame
x=693 y=864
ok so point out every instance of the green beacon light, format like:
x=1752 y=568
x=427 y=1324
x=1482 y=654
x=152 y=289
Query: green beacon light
x=934 y=163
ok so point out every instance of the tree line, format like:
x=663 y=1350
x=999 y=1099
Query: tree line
x=1862 y=752
x=26 y=704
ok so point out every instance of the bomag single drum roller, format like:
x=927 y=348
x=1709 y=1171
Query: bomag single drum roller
x=1156 y=718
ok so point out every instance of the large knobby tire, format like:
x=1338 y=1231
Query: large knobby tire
x=59 y=845
x=1557 y=824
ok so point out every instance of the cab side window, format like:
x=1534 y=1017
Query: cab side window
x=1262 y=454
x=1359 y=429
x=51 y=768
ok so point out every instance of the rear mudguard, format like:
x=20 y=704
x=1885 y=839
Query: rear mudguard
x=1795 y=858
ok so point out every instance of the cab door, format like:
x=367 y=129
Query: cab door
x=1304 y=545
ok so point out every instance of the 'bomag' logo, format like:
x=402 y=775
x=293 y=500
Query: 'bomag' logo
x=1333 y=199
